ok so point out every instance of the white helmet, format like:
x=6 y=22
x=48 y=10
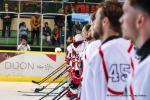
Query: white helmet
x=78 y=38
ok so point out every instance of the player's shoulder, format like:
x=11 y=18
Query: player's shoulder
x=95 y=43
x=145 y=62
x=116 y=47
x=70 y=47
x=116 y=43
x=83 y=44
x=143 y=70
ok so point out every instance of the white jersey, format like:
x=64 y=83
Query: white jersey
x=23 y=47
x=138 y=85
x=139 y=89
x=134 y=64
x=89 y=50
x=108 y=70
x=132 y=52
x=94 y=45
x=75 y=54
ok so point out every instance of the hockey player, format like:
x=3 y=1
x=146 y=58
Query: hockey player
x=86 y=32
x=135 y=25
x=108 y=66
x=93 y=45
x=75 y=49
x=93 y=38
x=74 y=59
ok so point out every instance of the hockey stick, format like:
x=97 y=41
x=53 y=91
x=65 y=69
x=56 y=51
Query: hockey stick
x=64 y=90
x=62 y=95
x=58 y=86
x=31 y=92
x=37 y=95
x=48 y=76
x=40 y=89
x=58 y=76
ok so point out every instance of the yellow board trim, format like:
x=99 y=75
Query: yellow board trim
x=26 y=79
x=30 y=52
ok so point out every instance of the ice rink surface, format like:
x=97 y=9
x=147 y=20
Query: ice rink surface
x=9 y=91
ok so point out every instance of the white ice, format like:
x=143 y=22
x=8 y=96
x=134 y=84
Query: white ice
x=8 y=91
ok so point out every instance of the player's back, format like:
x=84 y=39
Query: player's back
x=94 y=45
x=91 y=47
x=118 y=66
x=108 y=69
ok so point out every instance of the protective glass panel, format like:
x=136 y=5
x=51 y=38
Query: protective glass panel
x=8 y=30
x=30 y=26
x=53 y=32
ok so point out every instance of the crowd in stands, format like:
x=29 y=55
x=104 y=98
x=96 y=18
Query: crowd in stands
x=53 y=37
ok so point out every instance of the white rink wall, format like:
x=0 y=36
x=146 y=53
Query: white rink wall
x=29 y=64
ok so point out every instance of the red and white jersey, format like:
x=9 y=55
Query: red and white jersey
x=132 y=52
x=139 y=89
x=71 y=49
x=75 y=53
x=134 y=64
x=108 y=70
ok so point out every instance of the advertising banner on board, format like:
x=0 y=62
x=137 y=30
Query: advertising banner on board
x=28 y=64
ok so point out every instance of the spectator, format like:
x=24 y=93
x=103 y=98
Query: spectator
x=24 y=46
x=56 y=37
x=59 y=19
x=62 y=35
x=35 y=28
x=69 y=40
x=7 y=18
x=46 y=33
x=23 y=30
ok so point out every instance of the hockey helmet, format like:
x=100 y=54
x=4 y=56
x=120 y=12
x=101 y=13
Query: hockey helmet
x=78 y=38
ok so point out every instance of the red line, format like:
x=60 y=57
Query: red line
x=131 y=91
x=115 y=92
x=131 y=45
x=104 y=64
